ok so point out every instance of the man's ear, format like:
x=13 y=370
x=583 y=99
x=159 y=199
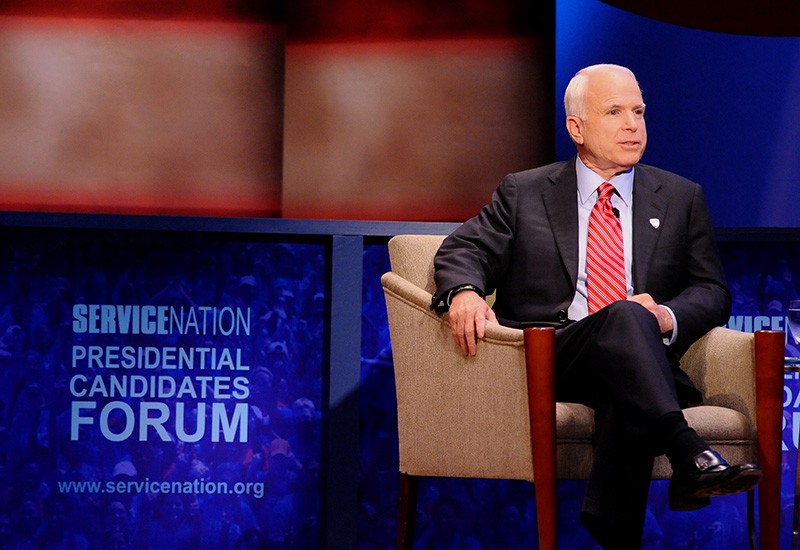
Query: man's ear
x=575 y=129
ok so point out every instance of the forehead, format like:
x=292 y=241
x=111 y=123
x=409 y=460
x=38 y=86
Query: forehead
x=612 y=88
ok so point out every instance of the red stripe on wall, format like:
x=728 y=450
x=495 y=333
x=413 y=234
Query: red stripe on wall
x=263 y=11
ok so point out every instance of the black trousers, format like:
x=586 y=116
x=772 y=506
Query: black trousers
x=615 y=361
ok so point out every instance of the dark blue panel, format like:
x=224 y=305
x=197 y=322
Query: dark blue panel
x=343 y=413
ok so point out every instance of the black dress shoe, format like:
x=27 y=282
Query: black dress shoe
x=710 y=476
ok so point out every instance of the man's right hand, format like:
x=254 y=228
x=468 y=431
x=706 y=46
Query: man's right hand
x=467 y=316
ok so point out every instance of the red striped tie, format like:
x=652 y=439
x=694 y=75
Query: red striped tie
x=605 y=258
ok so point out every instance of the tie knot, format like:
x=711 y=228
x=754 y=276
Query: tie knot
x=605 y=191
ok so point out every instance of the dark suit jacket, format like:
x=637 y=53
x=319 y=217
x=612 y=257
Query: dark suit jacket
x=524 y=245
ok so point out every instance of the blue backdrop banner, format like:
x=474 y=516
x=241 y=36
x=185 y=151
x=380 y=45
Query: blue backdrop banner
x=160 y=389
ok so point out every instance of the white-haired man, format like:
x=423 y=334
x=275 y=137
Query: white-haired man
x=621 y=258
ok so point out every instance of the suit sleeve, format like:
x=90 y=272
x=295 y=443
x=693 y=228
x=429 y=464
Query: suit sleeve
x=478 y=250
x=705 y=302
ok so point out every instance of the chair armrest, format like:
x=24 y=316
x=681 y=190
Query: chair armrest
x=417 y=297
x=487 y=438
x=722 y=366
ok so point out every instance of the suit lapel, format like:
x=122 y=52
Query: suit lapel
x=649 y=213
x=561 y=204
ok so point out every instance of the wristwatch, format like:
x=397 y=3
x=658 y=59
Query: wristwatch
x=458 y=289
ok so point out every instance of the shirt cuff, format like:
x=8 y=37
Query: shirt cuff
x=444 y=302
x=670 y=339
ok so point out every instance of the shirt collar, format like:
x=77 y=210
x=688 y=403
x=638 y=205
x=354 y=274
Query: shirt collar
x=589 y=181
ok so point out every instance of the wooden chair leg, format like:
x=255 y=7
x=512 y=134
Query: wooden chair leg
x=540 y=371
x=769 y=356
x=407 y=521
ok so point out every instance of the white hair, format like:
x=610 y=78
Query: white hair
x=575 y=94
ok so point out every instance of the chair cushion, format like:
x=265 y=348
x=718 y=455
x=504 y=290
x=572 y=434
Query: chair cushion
x=574 y=422
x=720 y=424
x=726 y=430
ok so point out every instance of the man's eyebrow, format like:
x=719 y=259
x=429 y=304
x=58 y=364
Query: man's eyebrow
x=618 y=106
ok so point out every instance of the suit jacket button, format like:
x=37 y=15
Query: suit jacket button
x=562 y=316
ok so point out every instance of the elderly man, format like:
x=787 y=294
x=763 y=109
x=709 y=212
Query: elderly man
x=621 y=258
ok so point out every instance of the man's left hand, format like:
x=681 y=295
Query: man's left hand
x=661 y=313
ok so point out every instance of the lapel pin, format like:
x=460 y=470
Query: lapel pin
x=655 y=222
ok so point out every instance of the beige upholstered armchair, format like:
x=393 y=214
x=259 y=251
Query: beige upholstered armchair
x=449 y=405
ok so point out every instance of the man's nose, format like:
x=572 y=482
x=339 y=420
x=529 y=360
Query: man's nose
x=632 y=121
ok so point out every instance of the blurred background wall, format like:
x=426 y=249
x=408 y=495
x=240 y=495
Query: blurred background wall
x=141 y=107
x=413 y=109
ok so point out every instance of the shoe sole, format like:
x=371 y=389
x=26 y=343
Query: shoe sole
x=744 y=480
x=739 y=483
